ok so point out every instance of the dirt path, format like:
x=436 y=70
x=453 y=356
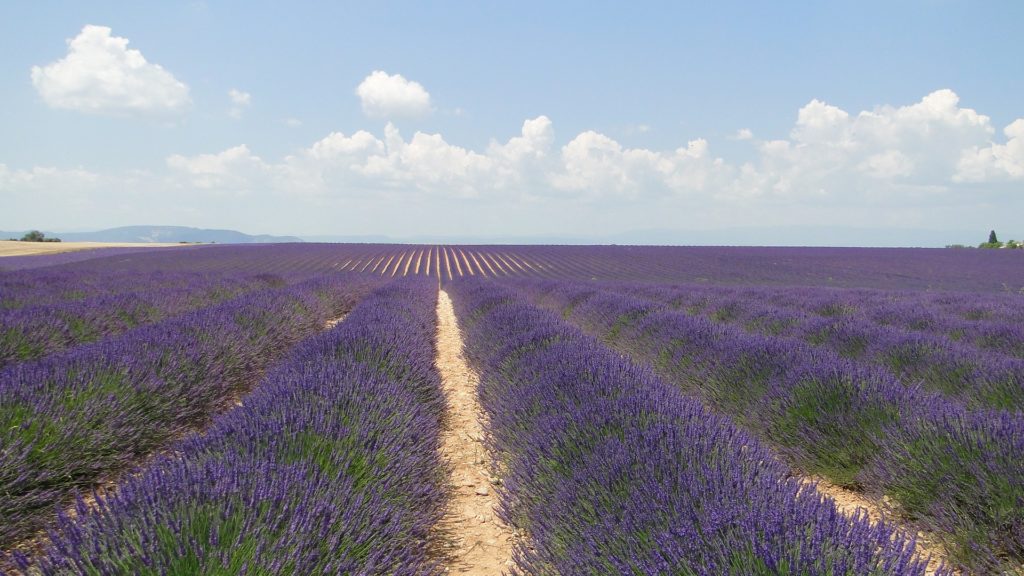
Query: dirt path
x=481 y=542
x=848 y=502
x=483 y=257
x=458 y=266
x=447 y=263
x=476 y=262
x=469 y=267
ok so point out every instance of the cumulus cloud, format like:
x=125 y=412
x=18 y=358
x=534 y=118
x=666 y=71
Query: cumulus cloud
x=887 y=165
x=428 y=163
x=743 y=134
x=424 y=164
x=596 y=165
x=100 y=74
x=924 y=147
x=239 y=102
x=830 y=156
x=336 y=146
x=235 y=169
x=386 y=95
x=821 y=123
x=996 y=161
x=833 y=166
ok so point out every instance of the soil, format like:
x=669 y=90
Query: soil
x=334 y=322
x=480 y=543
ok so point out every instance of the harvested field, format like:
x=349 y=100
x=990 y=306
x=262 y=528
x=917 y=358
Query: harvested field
x=13 y=248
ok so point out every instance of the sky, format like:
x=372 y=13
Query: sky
x=523 y=120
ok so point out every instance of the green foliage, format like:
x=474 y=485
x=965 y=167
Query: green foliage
x=37 y=236
x=21 y=344
x=834 y=428
x=993 y=241
x=931 y=461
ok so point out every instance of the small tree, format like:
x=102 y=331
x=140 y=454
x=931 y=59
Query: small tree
x=34 y=236
x=993 y=241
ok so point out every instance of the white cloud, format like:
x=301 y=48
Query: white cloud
x=832 y=157
x=430 y=164
x=100 y=74
x=292 y=122
x=336 y=145
x=887 y=165
x=894 y=151
x=235 y=169
x=595 y=165
x=45 y=176
x=744 y=134
x=423 y=164
x=818 y=122
x=239 y=98
x=534 y=143
x=240 y=101
x=386 y=96
x=891 y=165
x=996 y=161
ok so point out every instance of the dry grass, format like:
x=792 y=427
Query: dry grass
x=15 y=248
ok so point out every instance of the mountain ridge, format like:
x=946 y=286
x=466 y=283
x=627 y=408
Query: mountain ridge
x=154 y=234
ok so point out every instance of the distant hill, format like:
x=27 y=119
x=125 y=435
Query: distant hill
x=162 y=234
x=749 y=236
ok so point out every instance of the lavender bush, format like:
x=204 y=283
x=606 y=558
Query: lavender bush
x=329 y=467
x=851 y=324
x=853 y=423
x=612 y=471
x=73 y=418
x=34 y=331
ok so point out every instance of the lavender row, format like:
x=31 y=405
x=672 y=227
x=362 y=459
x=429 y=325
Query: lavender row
x=887 y=268
x=954 y=368
x=955 y=470
x=12 y=263
x=330 y=466
x=76 y=417
x=610 y=470
x=65 y=284
x=991 y=271
x=993 y=322
x=35 y=331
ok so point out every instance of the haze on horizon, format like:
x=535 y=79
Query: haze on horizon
x=578 y=120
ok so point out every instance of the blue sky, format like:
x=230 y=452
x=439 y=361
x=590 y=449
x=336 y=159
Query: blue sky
x=513 y=119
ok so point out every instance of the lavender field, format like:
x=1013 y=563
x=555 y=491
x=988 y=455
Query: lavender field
x=281 y=409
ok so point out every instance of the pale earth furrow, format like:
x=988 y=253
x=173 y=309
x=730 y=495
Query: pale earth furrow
x=481 y=543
